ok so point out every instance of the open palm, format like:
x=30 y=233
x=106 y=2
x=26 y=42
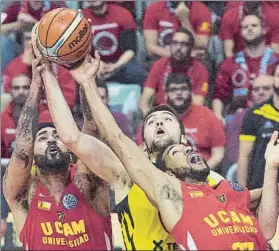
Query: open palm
x=87 y=71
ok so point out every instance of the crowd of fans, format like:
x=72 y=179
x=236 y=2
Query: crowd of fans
x=215 y=63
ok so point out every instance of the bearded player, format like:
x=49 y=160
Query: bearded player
x=57 y=209
x=181 y=200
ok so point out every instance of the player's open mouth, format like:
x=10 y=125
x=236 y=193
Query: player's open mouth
x=53 y=149
x=194 y=158
x=160 y=131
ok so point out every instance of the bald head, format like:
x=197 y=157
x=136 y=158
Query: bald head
x=262 y=88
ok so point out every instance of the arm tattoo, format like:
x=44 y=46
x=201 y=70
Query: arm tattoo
x=26 y=129
x=85 y=106
x=169 y=193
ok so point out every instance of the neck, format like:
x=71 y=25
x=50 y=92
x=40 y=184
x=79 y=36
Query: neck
x=100 y=11
x=276 y=101
x=55 y=183
x=255 y=51
x=193 y=181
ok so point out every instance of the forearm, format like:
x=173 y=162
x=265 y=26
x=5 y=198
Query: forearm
x=18 y=171
x=104 y=121
x=27 y=125
x=10 y=28
x=228 y=48
x=124 y=59
x=218 y=106
x=158 y=50
x=215 y=160
x=59 y=110
x=268 y=211
x=89 y=126
x=201 y=41
x=242 y=170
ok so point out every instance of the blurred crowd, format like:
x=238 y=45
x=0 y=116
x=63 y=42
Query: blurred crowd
x=215 y=63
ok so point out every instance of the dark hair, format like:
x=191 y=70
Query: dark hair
x=178 y=78
x=102 y=84
x=159 y=108
x=187 y=32
x=262 y=22
x=44 y=125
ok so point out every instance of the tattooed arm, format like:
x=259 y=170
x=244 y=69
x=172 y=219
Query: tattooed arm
x=89 y=126
x=16 y=179
x=97 y=156
x=163 y=190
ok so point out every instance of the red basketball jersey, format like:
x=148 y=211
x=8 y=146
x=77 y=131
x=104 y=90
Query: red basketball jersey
x=217 y=219
x=70 y=225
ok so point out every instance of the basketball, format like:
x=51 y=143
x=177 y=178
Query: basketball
x=63 y=36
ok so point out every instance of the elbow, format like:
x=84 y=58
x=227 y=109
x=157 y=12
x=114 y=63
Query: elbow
x=69 y=138
x=268 y=231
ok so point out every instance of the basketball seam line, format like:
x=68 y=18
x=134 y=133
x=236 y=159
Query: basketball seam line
x=49 y=28
x=65 y=41
x=64 y=33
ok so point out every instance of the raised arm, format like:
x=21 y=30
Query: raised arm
x=268 y=211
x=96 y=155
x=138 y=166
x=16 y=178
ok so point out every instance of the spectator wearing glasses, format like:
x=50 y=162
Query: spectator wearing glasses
x=163 y=18
x=180 y=61
x=236 y=74
x=262 y=90
x=204 y=131
x=259 y=123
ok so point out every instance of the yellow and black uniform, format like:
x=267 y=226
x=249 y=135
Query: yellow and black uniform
x=140 y=221
x=258 y=125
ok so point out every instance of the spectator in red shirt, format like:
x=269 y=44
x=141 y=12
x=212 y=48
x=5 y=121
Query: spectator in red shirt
x=236 y=74
x=20 y=85
x=16 y=18
x=204 y=131
x=163 y=18
x=230 y=27
x=22 y=64
x=20 y=16
x=115 y=39
x=179 y=61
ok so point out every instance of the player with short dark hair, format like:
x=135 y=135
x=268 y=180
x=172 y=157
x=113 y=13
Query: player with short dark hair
x=179 y=199
x=64 y=207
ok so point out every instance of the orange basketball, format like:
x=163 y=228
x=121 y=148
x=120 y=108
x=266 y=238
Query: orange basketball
x=64 y=36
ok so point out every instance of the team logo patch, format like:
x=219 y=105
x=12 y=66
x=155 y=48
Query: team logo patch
x=69 y=201
x=221 y=198
x=61 y=216
x=196 y=194
x=236 y=187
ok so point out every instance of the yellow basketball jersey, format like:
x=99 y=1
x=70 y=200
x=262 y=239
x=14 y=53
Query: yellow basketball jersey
x=140 y=221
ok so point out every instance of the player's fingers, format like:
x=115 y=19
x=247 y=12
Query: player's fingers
x=41 y=67
x=274 y=137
